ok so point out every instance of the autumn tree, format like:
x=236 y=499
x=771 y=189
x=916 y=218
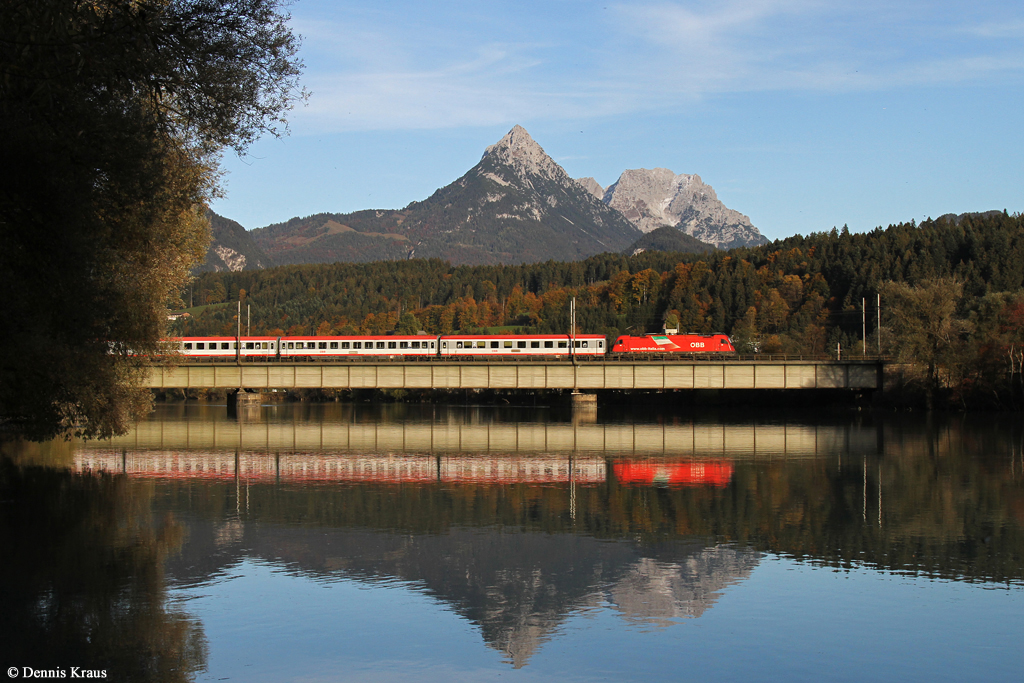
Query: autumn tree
x=924 y=328
x=746 y=337
x=113 y=114
x=408 y=324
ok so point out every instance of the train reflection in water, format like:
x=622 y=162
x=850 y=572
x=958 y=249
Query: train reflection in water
x=402 y=469
x=318 y=467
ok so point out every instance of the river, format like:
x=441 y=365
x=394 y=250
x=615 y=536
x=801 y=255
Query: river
x=314 y=542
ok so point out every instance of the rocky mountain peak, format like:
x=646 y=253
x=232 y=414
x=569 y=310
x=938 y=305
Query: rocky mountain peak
x=522 y=153
x=592 y=186
x=652 y=198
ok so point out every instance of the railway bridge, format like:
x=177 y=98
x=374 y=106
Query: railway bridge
x=584 y=375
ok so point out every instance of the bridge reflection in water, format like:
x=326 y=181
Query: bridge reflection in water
x=649 y=454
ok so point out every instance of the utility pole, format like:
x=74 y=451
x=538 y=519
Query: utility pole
x=572 y=325
x=864 y=326
x=878 y=328
x=238 y=333
x=248 y=320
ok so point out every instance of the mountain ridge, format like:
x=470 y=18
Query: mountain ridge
x=231 y=248
x=516 y=205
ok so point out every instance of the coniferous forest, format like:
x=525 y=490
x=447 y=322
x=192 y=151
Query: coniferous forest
x=952 y=305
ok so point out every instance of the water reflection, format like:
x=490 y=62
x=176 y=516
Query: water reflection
x=346 y=429
x=516 y=521
x=83 y=575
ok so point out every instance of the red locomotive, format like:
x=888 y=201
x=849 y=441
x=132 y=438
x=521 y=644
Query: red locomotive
x=674 y=343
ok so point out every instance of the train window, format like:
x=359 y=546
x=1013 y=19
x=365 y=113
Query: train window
x=250 y=345
x=458 y=345
x=494 y=345
x=264 y=345
x=223 y=345
x=431 y=344
x=535 y=345
x=392 y=345
x=563 y=344
x=585 y=344
x=521 y=344
x=323 y=345
x=403 y=345
x=334 y=345
x=549 y=345
x=200 y=346
x=380 y=345
x=291 y=345
x=444 y=345
x=600 y=344
x=416 y=345
x=345 y=345
x=507 y=344
x=357 y=345
x=188 y=346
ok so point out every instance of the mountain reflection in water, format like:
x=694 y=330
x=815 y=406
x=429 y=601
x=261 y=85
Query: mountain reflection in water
x=516 y=522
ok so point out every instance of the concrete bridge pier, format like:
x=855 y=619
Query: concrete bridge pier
x=584 y=407
x=245 y=404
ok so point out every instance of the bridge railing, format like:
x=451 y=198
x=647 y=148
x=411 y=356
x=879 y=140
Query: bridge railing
x=613 y=358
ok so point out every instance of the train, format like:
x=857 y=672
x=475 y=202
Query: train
x=395 y=346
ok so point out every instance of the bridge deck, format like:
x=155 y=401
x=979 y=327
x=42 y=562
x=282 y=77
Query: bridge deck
x=589 y=375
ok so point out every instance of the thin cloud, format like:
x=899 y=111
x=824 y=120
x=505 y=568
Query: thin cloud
x=641 y=57
x=1010 y=29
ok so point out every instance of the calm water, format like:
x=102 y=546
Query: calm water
x=339 y=543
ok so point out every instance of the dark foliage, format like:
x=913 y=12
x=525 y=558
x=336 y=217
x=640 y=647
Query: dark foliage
x=667 y=238
x=112 y=114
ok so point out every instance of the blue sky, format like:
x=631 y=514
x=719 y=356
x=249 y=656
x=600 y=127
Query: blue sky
x=802 y=114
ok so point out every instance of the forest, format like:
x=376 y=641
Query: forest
x=950 y=293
